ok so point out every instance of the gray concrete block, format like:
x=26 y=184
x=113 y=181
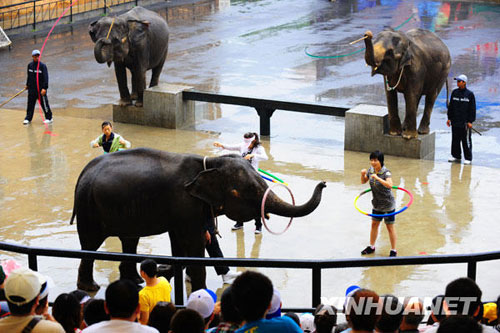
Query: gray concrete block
x=163 y=107
x=366 y=128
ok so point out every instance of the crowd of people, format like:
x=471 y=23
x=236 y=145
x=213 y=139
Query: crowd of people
x=250 y=304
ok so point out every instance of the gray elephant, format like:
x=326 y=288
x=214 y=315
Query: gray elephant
x=137 y=40
x=416 y=63
x=141 y=192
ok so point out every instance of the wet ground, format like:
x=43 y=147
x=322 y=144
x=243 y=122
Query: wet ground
x=257 y=49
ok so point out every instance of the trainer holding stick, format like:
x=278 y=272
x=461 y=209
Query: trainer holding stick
x=10 y=99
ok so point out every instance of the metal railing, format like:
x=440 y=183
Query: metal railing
x=264 y=107
x=315 y=266
x=34 y=12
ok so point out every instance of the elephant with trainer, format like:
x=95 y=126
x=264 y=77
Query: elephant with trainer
x=137 y=40
x=415 y=63
x=142 y=192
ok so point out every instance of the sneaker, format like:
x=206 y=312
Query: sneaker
x=454 y=160
x=48 y=121
x=230 y=276
x=237 y=226
x=26 y=122
x=368 y=250
x=467 y=162
x=393 y=253
x=258 y=231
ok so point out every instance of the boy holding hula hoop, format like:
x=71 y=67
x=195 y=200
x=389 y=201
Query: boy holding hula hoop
x=383 y=201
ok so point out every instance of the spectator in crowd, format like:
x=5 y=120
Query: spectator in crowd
x=82 y=298
x=122 y=305
x=157 y=289
x=294 y=317
x=463 y=298
x=94 y=312
x=42 y=308
x=22 y=290
x=252 y=295
x=325 y=318
x=437 y=312
x=2 y=282
x=67 y=311
x=392 y=315
x=187 y=321
x=161 y=316
x=275 y=308
x=231 y=319
x=203 y=302
x=307 y=323
x=412 y=316
x=361 y=310
x=459 y=324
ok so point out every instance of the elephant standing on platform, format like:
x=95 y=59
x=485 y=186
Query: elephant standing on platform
x=137 y=40
x=415 y=64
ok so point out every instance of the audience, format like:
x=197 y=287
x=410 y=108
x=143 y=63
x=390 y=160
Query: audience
x=252 y=295
x=294 y=317
x=412 y=316
x=307 y=323
x=325 y=318
x=275 y=308
x=187 y=321
x=391 y=316
x=157 y=289
x=122 y=305
x=22 y=290
x=361 y=310
x=94 y=312
x=459 y=324
x=231 y=319
x=67 y=311
x=161 y=316
x=203 y=302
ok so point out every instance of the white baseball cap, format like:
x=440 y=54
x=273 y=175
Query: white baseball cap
x=22 y=286
x=35 y=52
x=461 y=77
x=202 y=302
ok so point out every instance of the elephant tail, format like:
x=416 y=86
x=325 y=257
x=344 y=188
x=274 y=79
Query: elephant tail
x=72 y=216
x=447 y=94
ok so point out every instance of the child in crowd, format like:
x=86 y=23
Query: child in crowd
x=251 y=150
x=157 y=289
x=109 y=141
x=383 y=201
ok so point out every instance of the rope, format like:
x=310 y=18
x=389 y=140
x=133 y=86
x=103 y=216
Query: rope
x=386 y=82
x=211 y=208
x=111 y=26
x=358 y=51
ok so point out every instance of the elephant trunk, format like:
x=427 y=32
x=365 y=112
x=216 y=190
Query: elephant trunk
x=103 y=51
x=277 y=206
x=370 y=60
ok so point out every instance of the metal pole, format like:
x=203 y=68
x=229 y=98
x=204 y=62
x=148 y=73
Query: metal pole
x=32 y=262
x=316 y=287
x=472 y=269
x=34 y=15
x=104 y=7
x=179 y=285
x=265 y=120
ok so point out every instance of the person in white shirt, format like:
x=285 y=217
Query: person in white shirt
x=122 y=305
x=251 y=150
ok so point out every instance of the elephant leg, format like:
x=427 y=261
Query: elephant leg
x=392 y=105
x=139 y=77
x=410 y=122
x=127 y=268
x=194 y=245
x=423 y=128
x=155 y=75
x=134 y=94
x=90 y=242
x=121 y=78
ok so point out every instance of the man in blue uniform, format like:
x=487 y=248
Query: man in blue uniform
x=37 y=88
x=461 y=115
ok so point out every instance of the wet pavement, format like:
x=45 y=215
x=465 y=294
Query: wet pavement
x=257 y=49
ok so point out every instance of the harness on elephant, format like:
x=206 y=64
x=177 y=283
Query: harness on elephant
x=211 y=208
x=386 y=82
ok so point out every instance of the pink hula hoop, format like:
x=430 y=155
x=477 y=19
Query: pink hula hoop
x=264 y=205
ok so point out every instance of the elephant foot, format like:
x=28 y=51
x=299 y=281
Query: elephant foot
x=124 y=102
x=394 y=133
x=87 y=286
x=410 y=135
x=138 y=104
x=423 y=130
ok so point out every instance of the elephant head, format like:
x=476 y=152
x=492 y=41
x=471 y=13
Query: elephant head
x=115 y=37
x=232 y=187
x=389 y=53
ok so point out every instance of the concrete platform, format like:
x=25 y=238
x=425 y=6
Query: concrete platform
x=163 y=107
x=366 y=128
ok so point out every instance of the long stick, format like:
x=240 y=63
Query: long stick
x=357 y=40
x=475 y=130
x=17 y=94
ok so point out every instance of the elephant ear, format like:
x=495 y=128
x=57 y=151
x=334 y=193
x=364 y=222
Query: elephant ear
x=207 y=186
x=93 y=31
x=403 y=50
x=137 y=31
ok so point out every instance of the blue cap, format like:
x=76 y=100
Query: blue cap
x=351 y=289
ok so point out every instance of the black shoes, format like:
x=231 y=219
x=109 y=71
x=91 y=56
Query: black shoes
x=393 y=253
x=237 y=226
x=368 y=250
